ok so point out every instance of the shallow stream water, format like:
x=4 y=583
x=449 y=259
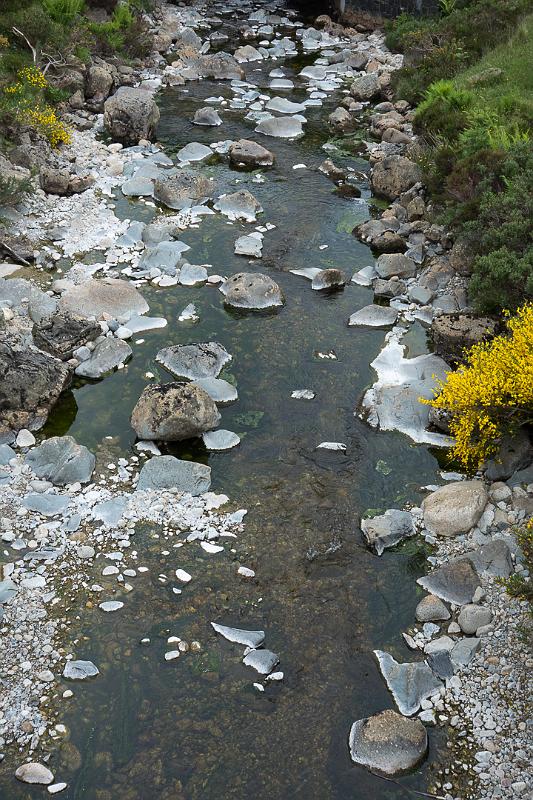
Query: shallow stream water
x=196 y=728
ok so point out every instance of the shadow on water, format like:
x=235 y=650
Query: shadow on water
x=196 y=728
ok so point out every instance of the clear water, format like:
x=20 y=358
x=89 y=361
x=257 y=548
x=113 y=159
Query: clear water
x=195 y=728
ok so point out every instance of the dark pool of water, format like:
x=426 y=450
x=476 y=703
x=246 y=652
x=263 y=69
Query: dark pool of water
x=196 y=728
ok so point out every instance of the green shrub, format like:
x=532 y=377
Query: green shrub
x=502 y=280
x=12 y=190
x=443 y=112
x=63 y=11
x=125 y=33
x=517 y=585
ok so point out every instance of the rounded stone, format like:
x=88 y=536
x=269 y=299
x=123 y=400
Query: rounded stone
x=454 y=508
x=174 y=411
x=473 y=617
x=388 y=743
x=431 y=609
x=252 y=291
x=33 y=772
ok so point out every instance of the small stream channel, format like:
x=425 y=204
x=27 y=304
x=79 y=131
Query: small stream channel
x=196 y=728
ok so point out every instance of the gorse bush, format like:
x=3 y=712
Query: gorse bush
x=492 y=394
x=25 y=101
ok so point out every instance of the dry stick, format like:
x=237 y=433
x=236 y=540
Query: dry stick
x=23 y=36
x=15 y=256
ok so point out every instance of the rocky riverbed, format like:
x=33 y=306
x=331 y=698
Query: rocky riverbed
x=125 y=509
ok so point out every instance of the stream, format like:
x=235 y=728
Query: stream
x=196 y=728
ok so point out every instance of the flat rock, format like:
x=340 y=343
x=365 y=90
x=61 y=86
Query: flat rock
x=167 y=472
x=280 y=127
x=303 y=394
x=247 y=638
x=239 y=205
x=249 y=290
x=374 y=316
x=194 y=361
x=220 y=439
x=250 y=246
x=194 y=151
x=263 y=661
x=110 y=605
x=173 y=411
x=8 y=590
x=33 y=772
x=80 y=670
x=388 y=743
x=455 y=582
x=493 y=558
x=166 y=256
x=110 y=511
x=61 y=334
x=106 y=356
x=101 y=296
x=61 y=460
x=219 y=390
x=387 y=530
x=327 y=279
x=48 y=505
x=283 y=106
x=206 y=116
x=409 y=683
x=465 y=650
x=454 y=508
x=192 y=275
x=395 y=264
x=250 y=154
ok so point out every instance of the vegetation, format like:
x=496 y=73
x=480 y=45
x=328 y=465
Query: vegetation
x=12 y=190
x=492 y=393
x=517 y=585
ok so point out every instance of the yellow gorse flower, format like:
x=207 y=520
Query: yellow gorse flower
x=33 y=76
x=28 y=107
x=492 y=393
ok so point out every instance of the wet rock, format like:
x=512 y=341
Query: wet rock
x=263 y=661
x=387 y=530
x=62 y=333
x=455 y=582
x=393 y=175
x=248 y=638
x=251 y=291
x=454 y=508
x=167 y=472
x=280 y=127
x=333 y=172
x=453 y=333
x=106 y=356
x=374 y=316
x=110 y=296
x=194 y=151
x=192 y=275
x=194 y=361
x=80 y=670
x=250 y=154
x=389 y=264
x=30 y=385
x=61 y=460
x=409 y=683
x=431 y=609
x=183 y=190
x=494 y=558
x=283 y=106
x=328 y=279
x=515 y=453
x=207 y=116
x=130 y=115
x=220 y=391
x=110 y=605
x=33 y=772
x=174 y=411
x=220 y=440
x=14 y=291
x=250 y=246
x=341 y=120
x=472 y=617
x=387 y=743
x=366 y=88
x=239 y=205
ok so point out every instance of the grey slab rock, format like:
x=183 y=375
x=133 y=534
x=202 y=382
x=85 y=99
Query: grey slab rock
x=248 y=638
x=374 y=316
x=194 y=151
x=239 y=205
x=472 y=617
x=219 y=390
x=455 y=582
x=48 y=505
x=409 y=683
x=192 y=275
x=283 y=106
x=220 y=439
x=101 y=296
x=80 y=670
x=389 y=264
x=249 y=290
x=171 y=412
x=388 y=743
x=6 y=454
x=194 y=361
x=280 y=127
x=493 y=558
x=263 y=661
x=167 y=472
x=431 y=609
x=387 y=530
x=166 y=256
x=110 y=511
x=61 y=460
x=465 y=650
x=441 y=664
x=207 y=116
x=105 y=357
x=14 y=290
x=8 y=590
x=454 y=508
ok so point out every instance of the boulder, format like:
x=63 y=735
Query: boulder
x=62 y=333
x=431 y=609
x=341 y=120
x=194 y=151
x=250 y=154
x=515 y=453
x=409 y=683
x=452 y=333
x=249 y=290
x=393 y=175
x=220 y=66
x=465 y=650
x=374 y=316
x=173 y=411
x=97 y=297
x=389 y=264
x=239 y=205
x=54 y=181
x=388 y=242
x=393 y=287
x=366 y=87
x=131 y=114
x=167 y=472
x=388 y=743
x=33 y=772
x=183 y=190
x=454 y=508
x=494 y=558
x=61 y=460
x=280 y=127
x=328 y=279
x=387 y=529
x=30 y=384
x=194 y=361
x=472 y=617
x=22 y=295
x=106 y=356
x=98 y=84
x=206 y=116
x=247 y=53
x=455 y=582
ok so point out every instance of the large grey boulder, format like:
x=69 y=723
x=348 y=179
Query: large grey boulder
x=62 y=333
x=452 y=334
x=206 y=116
x=173 y=411
x=455 y=582
x=111 y=296
x=220 y=66
x=167 y=472
x=106 y=356
x=515 y=453
x=409 y=683
x=30 y=384
x=194 y=361
x=393 y=175
x=131 y=114
x=280 y=127
x=388 y=743
x=387 y=530
x=389 y=264
x=183 y=190
x=366 y=87
x=250 y=154
x=249 y=290
x=472 y=617
x=61 y=460
x=454 y=508
x=494 y=558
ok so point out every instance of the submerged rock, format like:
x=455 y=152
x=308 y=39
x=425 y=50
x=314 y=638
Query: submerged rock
x=173 y=411
x=387 y=530
x=409 y=683
x=80 y=670
x=250 y=154
x=239 y=205
x=454 y=508
x=194 y=361
x=247 y=638
x=61 y=460
x=252 y=291
x=97 y=297
x=106 y=356
x=167 y=472
x=388 y=743
x=455 y=582
x=263 y=661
